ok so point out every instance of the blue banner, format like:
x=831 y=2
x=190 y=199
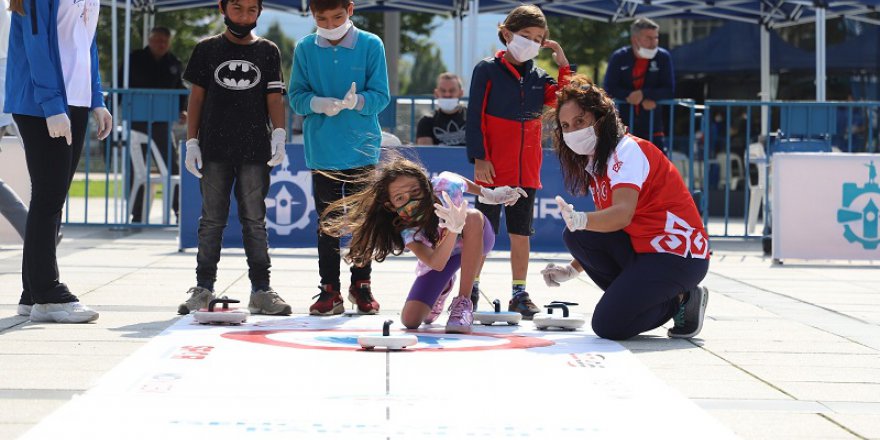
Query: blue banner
x=291 y=218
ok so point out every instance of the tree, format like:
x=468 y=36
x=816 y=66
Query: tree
x=414 y=27
x=285 y=45
x=188 y=28
x=587 y=43
x=422 y=76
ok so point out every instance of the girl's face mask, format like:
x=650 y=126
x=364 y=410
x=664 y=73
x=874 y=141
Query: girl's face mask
x=409 y=211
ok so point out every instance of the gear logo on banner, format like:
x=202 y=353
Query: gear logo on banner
x=860 y=209
x=289 y=201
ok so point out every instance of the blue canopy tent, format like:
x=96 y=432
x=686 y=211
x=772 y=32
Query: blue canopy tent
x=720 y=51
x=768 y=13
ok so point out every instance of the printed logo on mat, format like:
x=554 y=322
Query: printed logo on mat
x=346 y=340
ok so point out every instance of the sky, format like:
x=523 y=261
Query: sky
x=297 y=27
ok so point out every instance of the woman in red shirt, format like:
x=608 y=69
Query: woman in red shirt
x=645 y=245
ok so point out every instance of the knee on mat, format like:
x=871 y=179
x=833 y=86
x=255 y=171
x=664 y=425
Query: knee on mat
x=410 y=320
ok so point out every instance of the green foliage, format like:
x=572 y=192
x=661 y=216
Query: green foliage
x=413 y=27
x=188 y=27
x=422 y=77
x=285 y=45
x=587 y=43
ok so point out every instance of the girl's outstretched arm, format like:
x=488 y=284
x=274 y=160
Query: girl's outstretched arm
x=437 y=257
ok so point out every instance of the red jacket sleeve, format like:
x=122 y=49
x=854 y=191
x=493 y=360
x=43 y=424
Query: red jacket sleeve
x=551 y=88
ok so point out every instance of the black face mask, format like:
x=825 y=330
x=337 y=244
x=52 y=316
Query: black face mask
x=238 y=30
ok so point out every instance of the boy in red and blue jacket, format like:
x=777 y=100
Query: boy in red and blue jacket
x=507 y=98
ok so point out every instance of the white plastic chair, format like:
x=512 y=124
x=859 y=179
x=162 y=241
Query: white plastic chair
x=139 y=174
x=682 y=162
x=737 y=170
x=390 y=140
x=757 y=157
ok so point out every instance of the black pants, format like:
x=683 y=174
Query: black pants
x=250 y=182
x=517 y=217
x=641 y=289
x=51 y=164
x=327 y=190
x=160 y=137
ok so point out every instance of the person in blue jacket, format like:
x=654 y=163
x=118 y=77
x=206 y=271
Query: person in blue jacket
x=339 y=82
x=642 y=74
x=51 y=87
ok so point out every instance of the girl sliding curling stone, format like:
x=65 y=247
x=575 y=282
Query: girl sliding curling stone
x=401 y=208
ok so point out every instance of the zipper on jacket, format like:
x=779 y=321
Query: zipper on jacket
x=33 y=17
x=522 y=125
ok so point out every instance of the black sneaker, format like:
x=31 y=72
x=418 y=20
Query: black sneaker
x=523 y=304
x=689 y=318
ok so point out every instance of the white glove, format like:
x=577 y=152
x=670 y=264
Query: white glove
x=452 y=217
x=502 y=195
x=194 y=157
x=574 y=220
x=554 y=275
x=279 y=135
x=59 y=126
x=327 y=106
x=351 y=98
x=103 y=120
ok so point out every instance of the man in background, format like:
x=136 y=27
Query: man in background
x=446 y=125
x=155 y=67
x=642 y=74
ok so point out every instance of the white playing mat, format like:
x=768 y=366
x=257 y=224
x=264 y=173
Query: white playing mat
x=306 y=377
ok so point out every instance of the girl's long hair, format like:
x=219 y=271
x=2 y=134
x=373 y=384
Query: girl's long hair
x=609 y=130
x=17 y=6
x=371 y=220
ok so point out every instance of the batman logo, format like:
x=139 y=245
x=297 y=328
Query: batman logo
x=237 y=75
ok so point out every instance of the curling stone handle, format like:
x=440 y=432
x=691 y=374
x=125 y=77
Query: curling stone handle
x=386 y=328
x=557 y=305
x=497 y=305
x=225 y=301
x=564 y=302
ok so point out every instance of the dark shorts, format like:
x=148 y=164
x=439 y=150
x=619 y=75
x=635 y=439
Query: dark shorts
x=518 y=217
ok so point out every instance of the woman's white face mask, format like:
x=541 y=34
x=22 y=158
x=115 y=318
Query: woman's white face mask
x=335 y=33
x=582 y=142
x=522 y=48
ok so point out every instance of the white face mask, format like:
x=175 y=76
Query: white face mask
x=582 y=142
x=448 y=105
x=647 y=53
x=335 y=33
x=522 y=48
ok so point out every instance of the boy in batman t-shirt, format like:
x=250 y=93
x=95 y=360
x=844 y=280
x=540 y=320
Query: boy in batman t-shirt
x=235 y=102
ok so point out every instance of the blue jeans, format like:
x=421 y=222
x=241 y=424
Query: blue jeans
x=250 y=183
x=641 y=289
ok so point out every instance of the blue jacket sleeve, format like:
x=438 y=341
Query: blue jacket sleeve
x=300 y=94
x=666 y=88
x=376 y=94
x=48 y=90
x=476 y=148
x=97 y=92
x=612 y=82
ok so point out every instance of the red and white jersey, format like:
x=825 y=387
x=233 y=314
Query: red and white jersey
x=666 y=219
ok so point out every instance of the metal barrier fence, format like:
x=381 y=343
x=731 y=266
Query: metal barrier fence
x=719 y=148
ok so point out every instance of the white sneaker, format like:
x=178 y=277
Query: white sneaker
x=72 y=312
x=24 y=310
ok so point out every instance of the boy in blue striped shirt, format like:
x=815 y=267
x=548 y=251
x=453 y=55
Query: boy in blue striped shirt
x=339 y=82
